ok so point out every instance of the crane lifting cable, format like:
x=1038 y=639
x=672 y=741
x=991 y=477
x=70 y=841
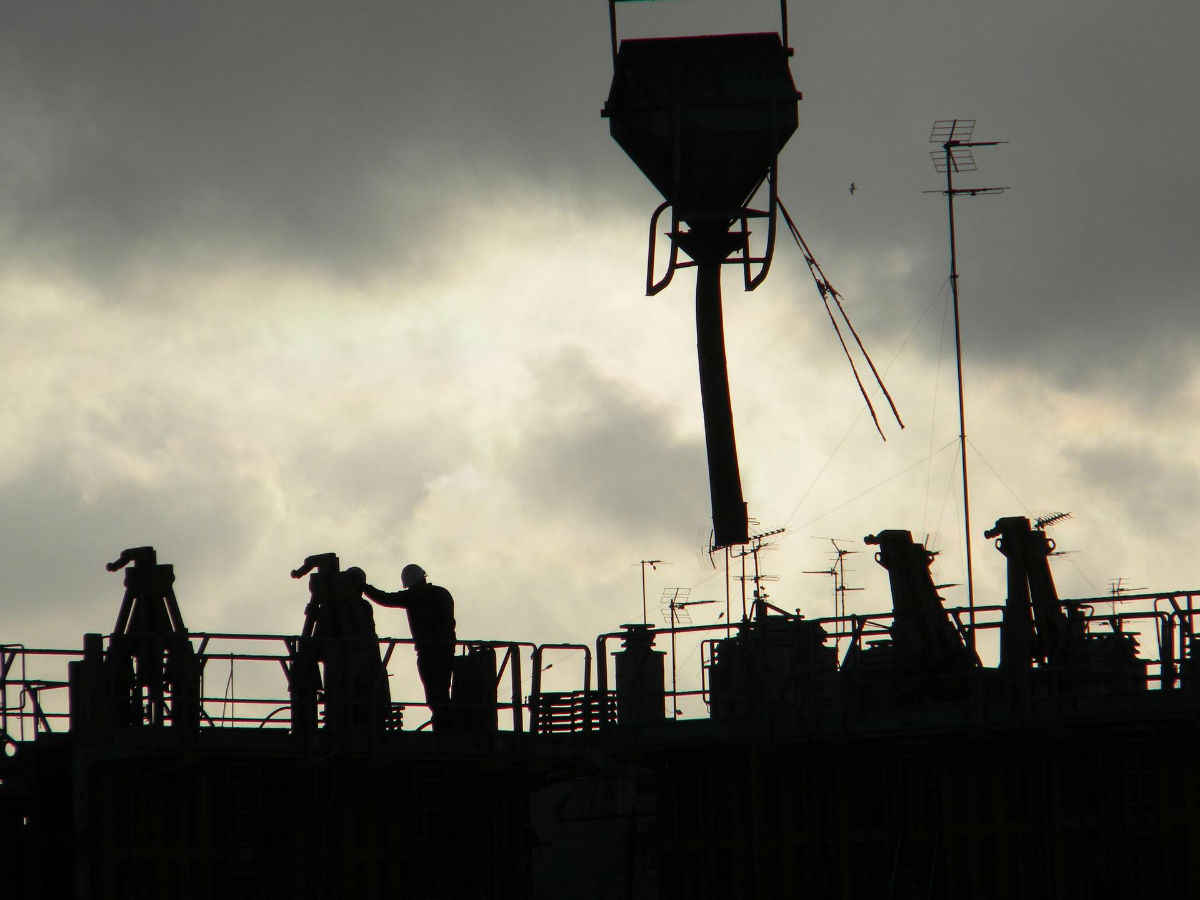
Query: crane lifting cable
x=827 y=291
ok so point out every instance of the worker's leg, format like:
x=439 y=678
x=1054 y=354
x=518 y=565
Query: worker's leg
x=433 y=665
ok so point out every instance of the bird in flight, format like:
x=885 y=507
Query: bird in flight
x=853 y=188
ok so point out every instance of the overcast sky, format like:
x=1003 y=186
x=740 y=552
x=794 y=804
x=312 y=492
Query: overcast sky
x=279 y=278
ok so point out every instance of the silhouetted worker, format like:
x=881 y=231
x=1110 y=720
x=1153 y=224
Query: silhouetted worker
x=431 y=621
x=354 y=674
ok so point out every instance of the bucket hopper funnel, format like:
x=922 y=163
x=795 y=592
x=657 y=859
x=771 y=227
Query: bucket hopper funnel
x=704 y=118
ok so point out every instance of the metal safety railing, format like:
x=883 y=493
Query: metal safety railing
x=1134 y=643
x=33 y=691
x=245 y=682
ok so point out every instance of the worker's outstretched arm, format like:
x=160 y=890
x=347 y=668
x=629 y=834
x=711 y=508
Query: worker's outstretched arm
x=385 y=598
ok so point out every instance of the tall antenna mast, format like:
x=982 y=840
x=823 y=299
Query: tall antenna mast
x=956 y=155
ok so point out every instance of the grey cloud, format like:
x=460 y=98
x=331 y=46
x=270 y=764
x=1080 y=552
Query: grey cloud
x=1153 y=493
x=379 y=474
x=332 y=135
x=347 y=139
x=54 y=542
x=1091 y=252
x=591 y=448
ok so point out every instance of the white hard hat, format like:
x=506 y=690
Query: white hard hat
x=411 y=574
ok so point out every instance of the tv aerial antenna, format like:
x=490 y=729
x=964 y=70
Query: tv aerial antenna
x=1119 y=587
x=838 y=571
x=674 y=605
x=933 y=555
x=1050 y=519
x=955 y=156
x=653 y=564
x=755 y=545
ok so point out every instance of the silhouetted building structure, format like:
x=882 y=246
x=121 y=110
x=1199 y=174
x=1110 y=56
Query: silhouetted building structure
x=897 y=766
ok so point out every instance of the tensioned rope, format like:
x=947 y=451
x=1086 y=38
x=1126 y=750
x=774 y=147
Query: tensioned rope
x=827 y=290
x=846 y=435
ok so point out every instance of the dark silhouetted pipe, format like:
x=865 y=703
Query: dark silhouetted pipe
x=709 y=248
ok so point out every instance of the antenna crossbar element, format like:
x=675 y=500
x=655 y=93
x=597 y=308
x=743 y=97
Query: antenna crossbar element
x=955 y=157
x=1051 y=519
x=954 y=136
x=950 y=130
x=673 y=601
x=969 y=192
x=766 y=534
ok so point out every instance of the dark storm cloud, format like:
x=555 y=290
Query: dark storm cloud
x=332 y=135
x=591 y=447
x=347 y=140
x=1091 y=253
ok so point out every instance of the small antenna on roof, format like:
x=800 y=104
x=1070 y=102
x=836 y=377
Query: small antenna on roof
x=756 y=543
x=1051 y=519
x=674 y=605
x=1119 y=587
x=838 y=571
x=653 y=564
